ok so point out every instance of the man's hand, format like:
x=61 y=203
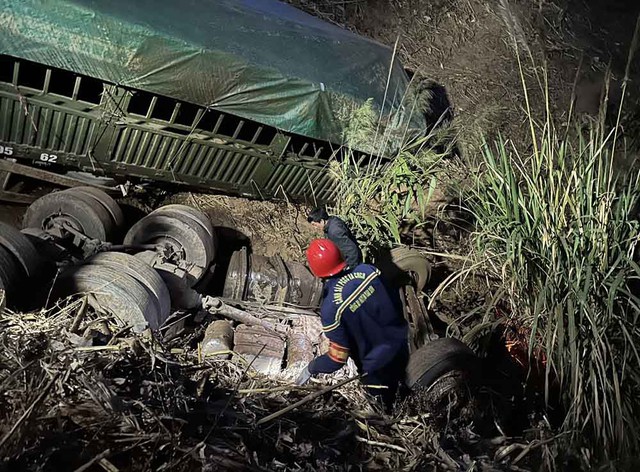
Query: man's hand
x=304 y=376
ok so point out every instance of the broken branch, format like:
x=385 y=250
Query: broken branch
x=307 y=399
x=381 y=444
x=29 y=410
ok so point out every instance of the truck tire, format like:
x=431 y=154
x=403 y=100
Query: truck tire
x=195 y=219
x=437 y=358
x=413 y=262
x=142 y=273
x=82 y=212
x=193 y=213
x=98 y=208
x=9 y=274
x=189 y=243
x=108 y=203
x=114 y=292
x=22 y=250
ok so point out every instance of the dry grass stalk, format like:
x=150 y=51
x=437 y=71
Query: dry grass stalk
x=145 y=405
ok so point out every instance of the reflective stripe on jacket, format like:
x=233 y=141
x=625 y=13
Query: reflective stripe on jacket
x=362 y=320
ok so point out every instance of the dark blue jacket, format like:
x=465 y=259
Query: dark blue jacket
x=337 y=231
x=362 y=320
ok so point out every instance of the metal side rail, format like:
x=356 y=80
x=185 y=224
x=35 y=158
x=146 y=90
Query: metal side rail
x=8 y=168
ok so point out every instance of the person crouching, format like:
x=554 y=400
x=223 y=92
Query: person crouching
x=362 y=320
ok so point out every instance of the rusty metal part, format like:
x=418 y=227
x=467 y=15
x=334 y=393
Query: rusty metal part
x=185 y=244
x=46 y=176
x=46 y=245
x=235 y=283
x=197 y=221
x=260 y=347
x=79 y=211
x=177 y=280
x=304 y=288
x=15 y=197
x=218 y=339
x=415 y=312
x=268 y=281
x=97 y=181
x=61 y=226
x=217 y=306
x=10 y=195
x=284 y=311
x=63 y=231
x=302 y=342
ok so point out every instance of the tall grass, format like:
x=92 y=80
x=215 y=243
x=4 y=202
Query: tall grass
x=556 y=224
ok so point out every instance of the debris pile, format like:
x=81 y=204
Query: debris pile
x=77 y=392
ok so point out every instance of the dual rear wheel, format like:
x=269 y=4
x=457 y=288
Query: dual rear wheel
x=184 y=237
x=122 y=285
x=176 y=240
x=76 y=211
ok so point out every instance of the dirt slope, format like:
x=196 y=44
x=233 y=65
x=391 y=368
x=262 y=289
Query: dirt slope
x=467 y=47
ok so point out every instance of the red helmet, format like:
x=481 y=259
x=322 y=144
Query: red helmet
x=324 y=258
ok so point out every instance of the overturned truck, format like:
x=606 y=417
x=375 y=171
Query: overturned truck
x=248 y=97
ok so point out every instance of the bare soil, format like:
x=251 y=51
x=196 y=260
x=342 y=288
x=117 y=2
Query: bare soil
x=467 y=46
x=268 y=228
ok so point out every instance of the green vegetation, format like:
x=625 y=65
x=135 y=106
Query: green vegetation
x=378 y=199
x=556 y=229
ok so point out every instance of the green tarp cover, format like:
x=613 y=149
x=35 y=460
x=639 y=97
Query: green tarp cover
x=259 y=59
